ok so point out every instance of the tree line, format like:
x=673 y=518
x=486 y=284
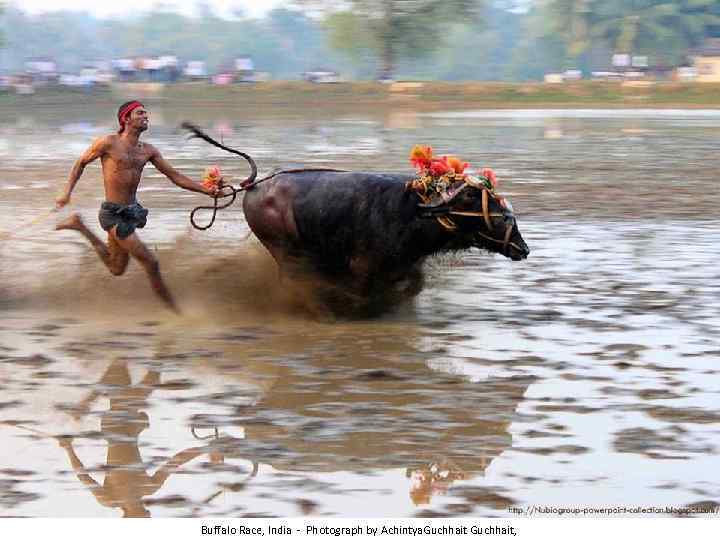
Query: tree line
x=502 y=40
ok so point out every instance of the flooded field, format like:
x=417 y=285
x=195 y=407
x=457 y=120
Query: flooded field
x=586 y=376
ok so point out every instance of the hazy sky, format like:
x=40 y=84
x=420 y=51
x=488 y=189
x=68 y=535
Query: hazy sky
x=126 y=7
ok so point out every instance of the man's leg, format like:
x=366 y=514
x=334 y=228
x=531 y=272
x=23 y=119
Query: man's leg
x=114 y=256
x=134 y=246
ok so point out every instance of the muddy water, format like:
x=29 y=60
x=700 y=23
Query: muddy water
x=585 y=376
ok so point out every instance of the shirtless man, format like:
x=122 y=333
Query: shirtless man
x=123 y=158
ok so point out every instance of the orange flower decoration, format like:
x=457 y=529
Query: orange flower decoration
x=421 y=156
x=456 y=164
x=439 y=167
x=212 y=177
x=490 y=175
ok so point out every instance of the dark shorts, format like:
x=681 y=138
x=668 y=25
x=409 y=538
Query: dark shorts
x=126 y=217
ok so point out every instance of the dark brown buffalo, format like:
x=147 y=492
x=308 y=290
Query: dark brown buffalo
x=366 y=233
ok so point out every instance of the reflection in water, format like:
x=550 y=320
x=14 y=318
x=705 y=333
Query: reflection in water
x=337 y=401
x=433 y=478
x=315 y=400
x=126 y=481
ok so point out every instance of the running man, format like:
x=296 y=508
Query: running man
x=123 y=157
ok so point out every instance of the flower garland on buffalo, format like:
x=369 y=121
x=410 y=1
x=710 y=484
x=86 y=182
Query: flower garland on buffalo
x=437 y=175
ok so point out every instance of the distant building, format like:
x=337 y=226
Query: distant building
x=195 y=70
x=169 y=68
x=685 y=74
x=554 y=78
x=321 y=76
x=42 y=70
x=621 y=61
x=124 y=69
x=572 y=75
x=244 y=69
x=706 y=60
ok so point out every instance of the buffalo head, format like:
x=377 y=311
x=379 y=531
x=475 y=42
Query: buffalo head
x=478 y=217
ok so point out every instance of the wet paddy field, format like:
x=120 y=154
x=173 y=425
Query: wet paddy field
x=586 y=376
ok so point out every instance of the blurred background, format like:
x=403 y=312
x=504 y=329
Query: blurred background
x=80 y=43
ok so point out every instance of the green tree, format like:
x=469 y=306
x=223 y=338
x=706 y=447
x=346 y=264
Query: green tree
x=284 y=43
x=570 y=21
x=661 y=28
x=637 y=26
x=391 y=29
x=478 y=50
x=2 y=37
x=536 y=51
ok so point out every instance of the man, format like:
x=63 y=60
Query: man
x=123 y=157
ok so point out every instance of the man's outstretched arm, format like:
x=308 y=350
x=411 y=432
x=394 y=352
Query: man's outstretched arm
x=78 y=467
x=97 y=149
x=172 y=465
x=176 y=177
x=96 y=489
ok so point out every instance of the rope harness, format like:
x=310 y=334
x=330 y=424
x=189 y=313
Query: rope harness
x=226 y=190
x=447 y=222
x=223 y=193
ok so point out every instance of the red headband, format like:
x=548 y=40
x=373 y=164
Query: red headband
x=124 y=113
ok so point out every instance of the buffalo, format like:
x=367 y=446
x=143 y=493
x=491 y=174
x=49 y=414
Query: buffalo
x=367 y=234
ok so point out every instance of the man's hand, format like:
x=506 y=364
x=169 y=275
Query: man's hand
x=214 y=189
x=62 y=201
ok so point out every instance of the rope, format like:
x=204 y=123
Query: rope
x=215 y=207
x=197 y=132
x=35 y=221
x=245 y=184
x=234 y=193
x=249 y=183
x=447 y=222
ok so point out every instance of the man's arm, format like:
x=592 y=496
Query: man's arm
x=173 y=464
x=100 y=493
x=97 y=149
x=176 y=177
x=78 y=467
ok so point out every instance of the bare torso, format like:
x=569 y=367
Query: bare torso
x=123 y=159
x=122 y=166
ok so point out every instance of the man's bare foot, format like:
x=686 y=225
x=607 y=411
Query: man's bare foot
x=74 y=222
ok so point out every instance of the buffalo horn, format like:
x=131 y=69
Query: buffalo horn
x=443 y=199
